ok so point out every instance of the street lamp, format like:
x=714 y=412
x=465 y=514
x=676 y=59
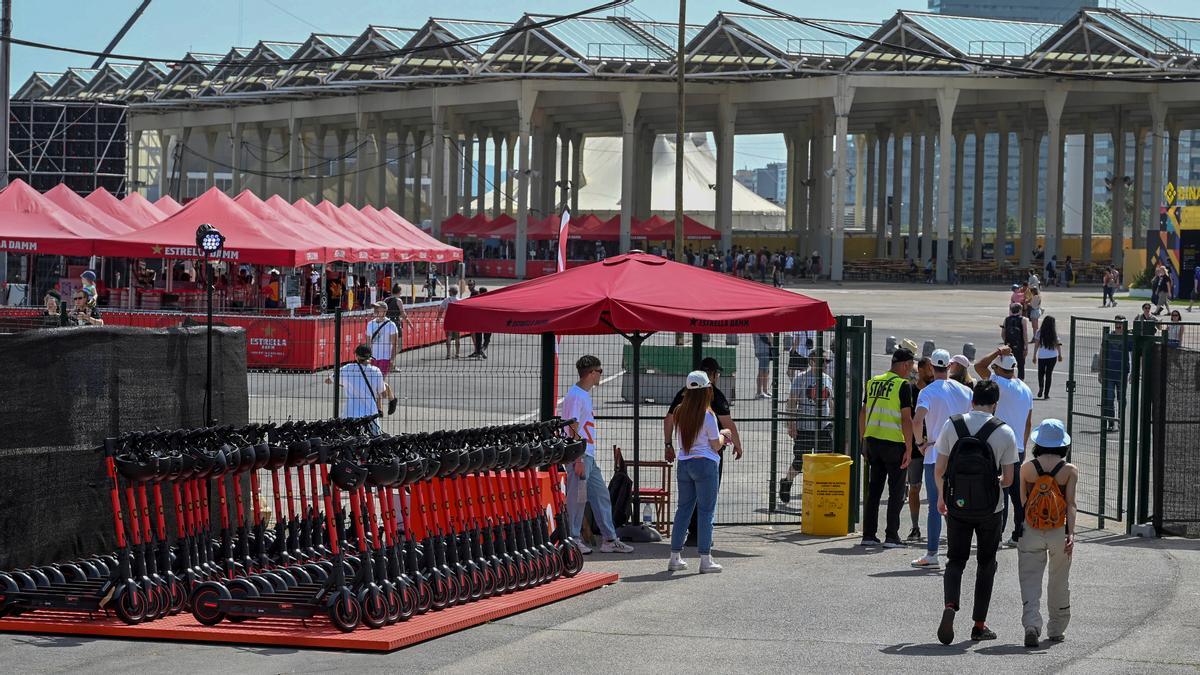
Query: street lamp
x=209 y=240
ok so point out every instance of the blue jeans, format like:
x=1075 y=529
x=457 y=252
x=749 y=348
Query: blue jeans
x=933 y=525
x=697 y=483
x=1110 y=392
x=590 y=489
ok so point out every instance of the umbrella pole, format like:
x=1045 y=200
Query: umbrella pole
x=636 y=530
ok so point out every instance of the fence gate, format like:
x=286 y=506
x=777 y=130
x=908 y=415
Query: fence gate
x=1097 y=381
x=1174 y=377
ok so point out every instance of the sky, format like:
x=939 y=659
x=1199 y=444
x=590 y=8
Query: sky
x=169 y=28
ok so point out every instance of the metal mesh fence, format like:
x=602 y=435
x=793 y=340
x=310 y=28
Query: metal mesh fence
x=1177 y=470
x=1098 y=381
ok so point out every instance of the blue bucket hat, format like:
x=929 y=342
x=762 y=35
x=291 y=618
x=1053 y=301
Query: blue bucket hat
x=1051 y=433
x=89 y=275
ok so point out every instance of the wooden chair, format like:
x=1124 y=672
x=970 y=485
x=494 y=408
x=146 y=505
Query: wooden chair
x=658 y=494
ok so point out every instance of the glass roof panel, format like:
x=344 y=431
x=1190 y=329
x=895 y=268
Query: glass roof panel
x=471 y=29
x=796 y=38
x=985 y=37
x=337 y=43
x=397 y=36
x=1132 y=32
x=1183 y=32
x=605 y=39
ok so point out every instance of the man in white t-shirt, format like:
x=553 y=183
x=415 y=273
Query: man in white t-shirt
x=937 y=402
x=1016 y=409
x=585 y=482
x=384 y=338
x=363 y=390
x=985 y=531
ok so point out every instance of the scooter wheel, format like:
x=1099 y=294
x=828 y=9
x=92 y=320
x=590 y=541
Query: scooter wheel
x=392 y=596
x=489 y=582
x=345 y=613
x=424 y=596
x=179 y=596
x=476 y=584
x=163 y=593
x=206 y=602
x=374 y=607
x=132 y=606
x=409 y=602
x=440 y=593
x=464 y=588
x=572 y=558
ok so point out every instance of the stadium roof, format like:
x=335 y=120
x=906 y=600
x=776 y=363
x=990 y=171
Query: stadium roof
x=732 y=46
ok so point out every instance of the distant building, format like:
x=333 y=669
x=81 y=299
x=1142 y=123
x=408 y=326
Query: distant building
x=1052 y=11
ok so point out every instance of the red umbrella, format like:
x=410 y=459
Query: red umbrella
x=638 y=293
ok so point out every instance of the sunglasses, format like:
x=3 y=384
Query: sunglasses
x=79 y=297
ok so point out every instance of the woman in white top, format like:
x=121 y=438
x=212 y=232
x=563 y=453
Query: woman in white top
x=1035 y=307
x=1049 y=353
x=1175 y=330
x=697 y=479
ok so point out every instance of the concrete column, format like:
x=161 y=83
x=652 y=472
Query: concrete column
x=881 y=192
x=235 y=156
x=1139 y=186
x=1027 y=187
x=800 y=191
x=363 y=158
x=977 y=210
x=576 y=170
x=1118 y=191
x=295 y=159
x=861 y=145
x=453 y=181
x=320 y=164
x=817 y=187
x=164 y=162
x=264 y=150
x=841 y=130
x=824 y=230
x=960 y=142
x=897 y=193
x=1001 y=240
x=437 y=173
x=1089 y=170
x=525 y=112
x=866 y=178
x=379 y=134
x=510 y=150
x=1055 y=101
x=481 y=177
x=342 y=135
x=402 y=158
x=210 y=163
x=418 y=178
x=537 y=143
x=549 y=169
x=134 y=162
x=1158 y=115
x=183 y=140
x=914 y=193
x=498 y=168
x=564 y=168
x=629 y=101
x=468 y=169
x=1173 y=154
x=927 y=181
x=947 y=100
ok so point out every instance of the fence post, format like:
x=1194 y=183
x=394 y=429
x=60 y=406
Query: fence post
x=1155 y=346
x=774 y=474
x=549 y=377
x=337 y=362
x=1071 y=385
x=697 y=350
x=1160 y=434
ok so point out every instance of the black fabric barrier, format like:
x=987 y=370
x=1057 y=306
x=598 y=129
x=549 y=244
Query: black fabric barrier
x=64 y=391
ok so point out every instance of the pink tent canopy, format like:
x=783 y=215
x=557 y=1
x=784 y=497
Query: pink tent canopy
x=33 y=224
x=432 y=249
x=137 y=202
x=66 y=199
x=247 y=238
x=349 y=246
x=137 y=218
x=168 y=205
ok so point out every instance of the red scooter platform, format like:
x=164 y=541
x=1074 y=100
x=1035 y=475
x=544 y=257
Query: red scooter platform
x=317 y=633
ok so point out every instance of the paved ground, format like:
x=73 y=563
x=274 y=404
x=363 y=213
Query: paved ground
x=786 y=602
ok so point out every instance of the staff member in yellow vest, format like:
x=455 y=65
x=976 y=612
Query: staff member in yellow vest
x=885 y=424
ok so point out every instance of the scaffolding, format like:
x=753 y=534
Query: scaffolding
x=82 y=144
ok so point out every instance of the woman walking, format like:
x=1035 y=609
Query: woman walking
x=698 y=440
x=1049 y=353
x=1035 y=308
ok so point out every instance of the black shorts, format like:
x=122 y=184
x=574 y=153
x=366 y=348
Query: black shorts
x=809 y=441
x=916 y=471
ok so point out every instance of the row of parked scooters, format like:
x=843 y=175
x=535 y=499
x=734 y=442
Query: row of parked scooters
x=366 y=529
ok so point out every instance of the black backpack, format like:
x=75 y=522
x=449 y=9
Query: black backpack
x=972 y=491
x=1014 y=331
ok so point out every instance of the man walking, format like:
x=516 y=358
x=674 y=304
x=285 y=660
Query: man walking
x=1048 y=490
x=585 y=483
x=384 y=338
x=938 y=402
x=885 y=425
x=809 y=399
x=921 y=376
x=365 y=392
x=1110 y=287
x=1114 y=368
x=1016 y=410
x=976 y=453
x=1016 y=333
x=721 y=408
x=1195 y=285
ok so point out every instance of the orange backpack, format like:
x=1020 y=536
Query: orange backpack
x=1046 y=507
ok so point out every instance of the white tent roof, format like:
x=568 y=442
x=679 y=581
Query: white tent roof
x=601 y=189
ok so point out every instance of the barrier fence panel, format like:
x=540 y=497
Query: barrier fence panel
x=1175 y=506
x=1097 y=382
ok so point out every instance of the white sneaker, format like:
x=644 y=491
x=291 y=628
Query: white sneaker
x=708 y=565
x=583 y=548
x=676 y=564
x=927 y=562
x=615 y=546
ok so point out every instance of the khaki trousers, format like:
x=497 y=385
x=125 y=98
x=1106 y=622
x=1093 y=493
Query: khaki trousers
x=1033 y=548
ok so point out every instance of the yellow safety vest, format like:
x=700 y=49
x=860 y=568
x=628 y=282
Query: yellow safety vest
x=883 y=407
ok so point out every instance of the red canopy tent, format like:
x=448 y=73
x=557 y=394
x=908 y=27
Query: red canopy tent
x=376 y=227
x=137 y=202
x=67 y=199
x=433 y=250
x=692 y=229
x=454 y=221
x=247 y=238
x=298 y=229
x=168 y=205
x=35 y=225
x=477 y=226
x=137 y=218
x=536 y=230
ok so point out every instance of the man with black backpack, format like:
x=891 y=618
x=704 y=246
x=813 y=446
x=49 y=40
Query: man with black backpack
x=1016 y=333
x=975 y=457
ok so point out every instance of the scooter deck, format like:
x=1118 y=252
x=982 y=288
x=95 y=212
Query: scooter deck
x=315 y=633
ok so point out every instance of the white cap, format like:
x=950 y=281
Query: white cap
x=961 y=360
x=1005 y=362
x=698 y=379
x=940 y=358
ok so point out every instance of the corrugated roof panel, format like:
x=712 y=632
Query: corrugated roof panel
x=797 y=38
x=471 y=29
x=984 y=37
x=605 y=39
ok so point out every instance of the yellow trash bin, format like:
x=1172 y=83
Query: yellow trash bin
x=826 y=495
